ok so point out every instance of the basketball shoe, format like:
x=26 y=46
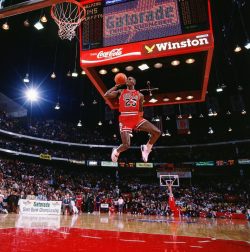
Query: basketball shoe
x=114 y=155
x=145 y=152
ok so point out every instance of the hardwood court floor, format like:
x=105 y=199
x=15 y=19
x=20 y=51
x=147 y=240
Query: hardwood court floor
x=124 y=233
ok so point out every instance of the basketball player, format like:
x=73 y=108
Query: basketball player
x=131 y=118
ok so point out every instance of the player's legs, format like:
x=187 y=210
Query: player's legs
x=154 y=135
x=125 y=136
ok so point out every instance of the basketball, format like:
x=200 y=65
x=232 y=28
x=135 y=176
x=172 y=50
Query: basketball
x=120 y=78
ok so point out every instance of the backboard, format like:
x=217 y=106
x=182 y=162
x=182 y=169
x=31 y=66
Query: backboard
x=172 y=180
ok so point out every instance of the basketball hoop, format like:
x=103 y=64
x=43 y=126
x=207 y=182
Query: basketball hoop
x=68 y=15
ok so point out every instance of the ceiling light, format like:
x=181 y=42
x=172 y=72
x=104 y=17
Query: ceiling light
x=190 y=61
x=94 y=102
x=44 y=19
x=210 y=131
x=102 y=71
x=243 y=112
x=31 y=94
x=201 y=116
x=189 y=132
x=230 y=129
x=210 y=112
x=228 y=112
x=69 y=73
x=53 y=75
x=190 y=116
x=178 y=98
x=110 y=122
x=223 y=85
x=57 y=107
x=158 y=65
x=5 y=26
x=129 y=68
x=100 y=123
x=240 y=88
x=163 y=134
x=115 y=70
x=83 y=72
x=153 y=100
x=79 y=124
x=175 y=63
x=82 y=104
x=247 y=45
x=157 y=119
x=179 y=116
x=143 y=67
x=74 y=74
x=38 y=25
x=166 y=99
x=167 y=133
x=215 y=113
x=190 y=97
x=26 y=23
x=168 y=118
x=237 y=49
x=219 y=89
x=26 y=78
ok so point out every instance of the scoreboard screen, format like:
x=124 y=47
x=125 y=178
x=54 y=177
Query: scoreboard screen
x=115 y=22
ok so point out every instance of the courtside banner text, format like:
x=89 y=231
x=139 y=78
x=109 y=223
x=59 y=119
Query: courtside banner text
x=40 y=207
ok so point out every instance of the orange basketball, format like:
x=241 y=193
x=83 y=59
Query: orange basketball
x=120 y=78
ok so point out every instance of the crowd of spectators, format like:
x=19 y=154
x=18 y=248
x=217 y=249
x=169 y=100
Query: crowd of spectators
x=86 y=190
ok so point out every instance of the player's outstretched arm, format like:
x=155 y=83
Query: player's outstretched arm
x=113 y=92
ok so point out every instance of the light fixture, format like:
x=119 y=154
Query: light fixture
x=69 y=73
x=247 y=45
x=163 y=134
x=31 y=94
x=243 y=112
x=189 y=132
x=6 y=26
x=26 y=23
x=74 y=74
x=38 y=25
x=153 y=100
x=175 y=63
x=43 y=19
x=129 y=68
x=110 y=122
x=210 y=112
x=158 y=65
x=82 y=104
x=190 y=116
x=157 y=119
x=79 y=124
x=168 y=118
x=215 y=113
x=228 y=112
x=201 y=115
x=57 y=107
x=143 y=67
x=83 y=72
x=53 y=75
x=165 y=99
x=100 y=123
x=178 y=98
x=230 y=129
x=190 y=97
x=102 y=71
x=114 y=136
x=240 y=88
x=190 y=61
x=210 y=131
x=179 y=116
x=237 y=49
x=94 y=102
x=168 y=133
x=26 y=78
x=115 y=70
x=219 y=89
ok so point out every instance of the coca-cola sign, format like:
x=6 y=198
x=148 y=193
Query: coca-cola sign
x=110 y=54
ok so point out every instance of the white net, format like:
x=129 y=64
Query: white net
x=68 y=15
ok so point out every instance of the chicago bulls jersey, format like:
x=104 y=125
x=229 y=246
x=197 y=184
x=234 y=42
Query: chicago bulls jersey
x=129 y=101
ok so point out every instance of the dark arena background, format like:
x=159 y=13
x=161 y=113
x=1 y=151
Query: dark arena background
x=60 y=190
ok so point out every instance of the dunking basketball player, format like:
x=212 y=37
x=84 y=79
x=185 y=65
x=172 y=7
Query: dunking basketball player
x=131 y=118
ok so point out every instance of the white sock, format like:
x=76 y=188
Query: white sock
x=149 y=146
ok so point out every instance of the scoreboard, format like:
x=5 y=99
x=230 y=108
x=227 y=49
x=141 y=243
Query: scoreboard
x=115 y=22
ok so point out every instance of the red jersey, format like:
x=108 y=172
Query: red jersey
x=129 y=101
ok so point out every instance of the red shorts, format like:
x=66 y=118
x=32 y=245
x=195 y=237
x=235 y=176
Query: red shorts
x=131 y=122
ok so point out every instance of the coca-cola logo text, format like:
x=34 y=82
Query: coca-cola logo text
x=110 y=54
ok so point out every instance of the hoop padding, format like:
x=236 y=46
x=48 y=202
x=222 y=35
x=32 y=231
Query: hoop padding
x=169 y=180
x=68 y=16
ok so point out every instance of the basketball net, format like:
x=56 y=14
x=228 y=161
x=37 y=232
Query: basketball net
x=68 y=16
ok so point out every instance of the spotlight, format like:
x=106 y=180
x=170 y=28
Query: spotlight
x=175 y=63
x=247 y=45
x=94 y=102
x=179 y=116
x=237 y=49
x=57 y=107
x=230 y=129
x=243 y=112
x=69 y=73
x=178 y=98
x=31 y=94
x=102 y=71
x=166 y=99
x=210 y=131
x=240 y=88
x=219 y=89
x=158 y=65
x=153 y=100
x=74 y=74
x=190 y=116
x=189 y=132
x=110 y=122
x=6 y=26
x=82 y=104
x=167 y=133
x=190 y=97
x=215 y=113
x=143 y=67
x=100 y=123
x=79 y=124
x=228 y=112
x=26 y=78
x=163 y=134
x=115 y=70
x=129 y=68
x=201 y=116
x=43 y=19
x=38 y=25
x=83 y=72
x=168 y=118
x=26 y=23
x=190 y=61
x=157 y=119
x=210 y=112
x=53 y=75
